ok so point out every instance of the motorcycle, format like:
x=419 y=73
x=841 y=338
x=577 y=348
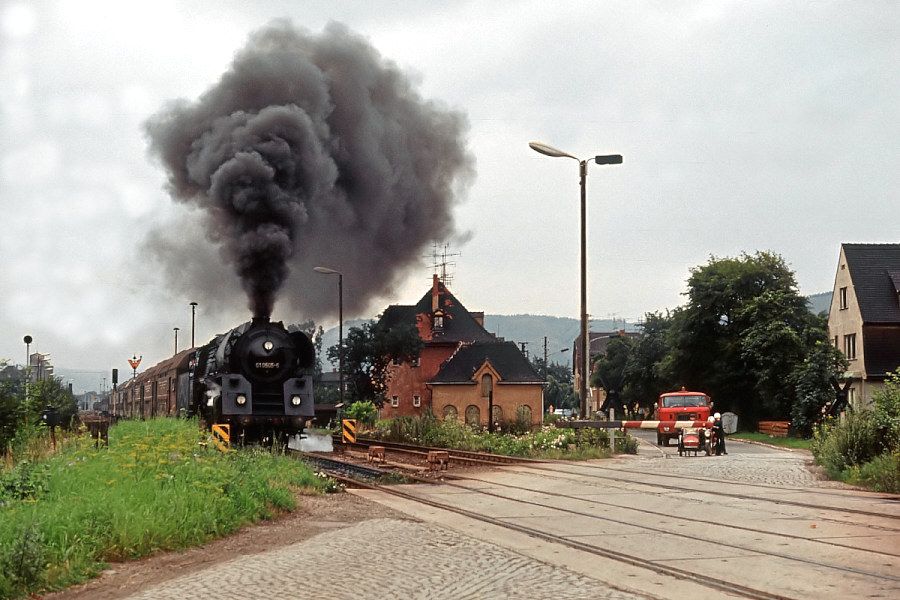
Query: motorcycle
x=690 y=439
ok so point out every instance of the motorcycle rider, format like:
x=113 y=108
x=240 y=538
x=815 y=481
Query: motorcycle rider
x=720 y=434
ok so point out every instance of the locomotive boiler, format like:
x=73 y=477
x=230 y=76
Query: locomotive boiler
x=257 y=378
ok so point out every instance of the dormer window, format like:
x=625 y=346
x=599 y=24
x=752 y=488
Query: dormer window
x=438 y=319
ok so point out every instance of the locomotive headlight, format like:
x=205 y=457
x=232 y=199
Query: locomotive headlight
x=241 y=399
x=295 y=400
x=268 y=345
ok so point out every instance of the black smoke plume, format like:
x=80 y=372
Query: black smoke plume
x=312 y=150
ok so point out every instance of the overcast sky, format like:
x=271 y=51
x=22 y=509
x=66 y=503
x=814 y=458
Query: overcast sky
x=744 y=126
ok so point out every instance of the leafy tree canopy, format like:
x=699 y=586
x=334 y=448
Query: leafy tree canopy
x=369 y=351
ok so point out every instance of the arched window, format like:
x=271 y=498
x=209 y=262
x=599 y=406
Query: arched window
x=473 y=416
x=523 y=415
x=487 y=384
x=496 y=414
x=450 y=413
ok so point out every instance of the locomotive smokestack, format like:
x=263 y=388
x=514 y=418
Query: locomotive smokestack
x=309 y=150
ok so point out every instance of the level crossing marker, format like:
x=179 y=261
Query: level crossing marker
x=221 y=436
x=349 y=429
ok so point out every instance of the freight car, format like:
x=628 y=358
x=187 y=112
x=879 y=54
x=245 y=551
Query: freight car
x=257 y=378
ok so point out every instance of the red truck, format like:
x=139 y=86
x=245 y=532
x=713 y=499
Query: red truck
x=679 y=406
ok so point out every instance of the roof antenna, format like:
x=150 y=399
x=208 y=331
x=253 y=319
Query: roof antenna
x=439 y=255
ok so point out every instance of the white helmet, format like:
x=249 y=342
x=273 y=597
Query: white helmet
x=718 y=416
x=710 y=420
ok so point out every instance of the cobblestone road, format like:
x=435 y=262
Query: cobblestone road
x=404 y=560
x=418 y=559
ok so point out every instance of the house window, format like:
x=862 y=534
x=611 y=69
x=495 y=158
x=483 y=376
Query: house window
x=417 y=401
x=523 y=415
x=395 y=401
x=497 y=414
x=450 y=413
x=843 y=298
x=850 y=346
x=473 y=416
x=487 y=384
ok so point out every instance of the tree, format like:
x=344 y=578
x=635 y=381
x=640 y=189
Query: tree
x=813 y=382
x=779 y=334
x=51 y=392
x=369 y=351
x=560 y=394
x=608 y=371
x=12 y=409
x=643 y=370
x=560 y=391
x=743 y=331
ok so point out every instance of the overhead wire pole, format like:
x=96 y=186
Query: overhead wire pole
x=610 y=159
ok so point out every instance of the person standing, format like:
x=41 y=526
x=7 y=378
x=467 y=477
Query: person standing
x=720 y=434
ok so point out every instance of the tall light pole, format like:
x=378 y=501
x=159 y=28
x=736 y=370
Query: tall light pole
x=193 y=316
x=327 y=271
x=27 y=370
x=609 y=159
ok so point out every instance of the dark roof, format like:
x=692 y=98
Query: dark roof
x=875 y=272
x=882 y=348
x=505 y=357
x=459 y=324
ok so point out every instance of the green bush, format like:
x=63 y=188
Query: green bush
x=881 y=474
x=849 y=442
x=363 y=411
x=27 y=481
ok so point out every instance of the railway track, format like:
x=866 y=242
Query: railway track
x=792 y=550
x=459 y=457
x=715 y=583
x=718 y=487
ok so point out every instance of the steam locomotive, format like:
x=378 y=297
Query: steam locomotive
x=257 y=378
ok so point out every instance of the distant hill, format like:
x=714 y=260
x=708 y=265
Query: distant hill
x=820 y=303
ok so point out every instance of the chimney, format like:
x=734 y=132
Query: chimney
x=435 y=293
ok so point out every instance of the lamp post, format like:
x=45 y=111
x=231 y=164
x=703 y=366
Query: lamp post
x=193 y=316
x=27 y=370
x=327 y=271
x=610 y=159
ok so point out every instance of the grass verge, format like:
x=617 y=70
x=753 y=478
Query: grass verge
x=157 y=487
x=784 y=442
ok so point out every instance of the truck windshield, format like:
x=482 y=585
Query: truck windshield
x=683 y=401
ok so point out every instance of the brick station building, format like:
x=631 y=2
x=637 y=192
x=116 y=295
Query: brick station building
x=464 y=372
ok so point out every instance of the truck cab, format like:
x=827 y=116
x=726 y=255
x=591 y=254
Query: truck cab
x=679 y=406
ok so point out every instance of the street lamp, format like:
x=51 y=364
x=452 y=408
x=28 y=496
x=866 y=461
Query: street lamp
x=26 y=369
x=610 y=159
x=193 y=316
x=327 y=271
